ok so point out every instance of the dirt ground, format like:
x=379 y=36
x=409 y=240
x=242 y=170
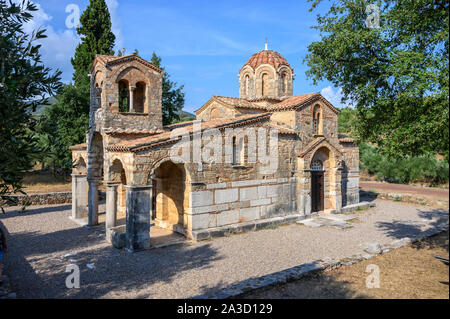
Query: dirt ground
x=410 y=272
x=437 y=193
x=46 y=182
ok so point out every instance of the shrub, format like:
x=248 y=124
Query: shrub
x=425 y=168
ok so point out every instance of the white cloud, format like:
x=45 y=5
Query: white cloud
x=59 y=46
x=335 y=97
x=116 y=24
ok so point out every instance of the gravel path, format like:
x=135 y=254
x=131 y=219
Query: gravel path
x=40 y=237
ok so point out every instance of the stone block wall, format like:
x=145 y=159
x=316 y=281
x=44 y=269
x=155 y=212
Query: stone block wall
x=304 y=123
x=223 y=204
x=39 y=199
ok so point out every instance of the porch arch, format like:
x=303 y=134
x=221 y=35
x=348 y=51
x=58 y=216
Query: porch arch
x=171 y=188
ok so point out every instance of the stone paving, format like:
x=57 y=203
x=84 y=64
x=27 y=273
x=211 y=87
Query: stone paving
x=331 y=220
x=43 y=241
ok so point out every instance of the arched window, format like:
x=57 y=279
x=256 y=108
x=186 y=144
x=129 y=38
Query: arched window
x=98 y=95
x=317 y=121
x=238 y=150
x=246 y=84
x=284 y=83
x=139 y=97
x=124 y=96
x=264 y=84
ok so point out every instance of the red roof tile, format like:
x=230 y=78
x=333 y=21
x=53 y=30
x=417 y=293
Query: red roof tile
x=293 y=101
x=266 y=57
x=150 y=141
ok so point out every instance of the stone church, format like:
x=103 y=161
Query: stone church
x=128 y=154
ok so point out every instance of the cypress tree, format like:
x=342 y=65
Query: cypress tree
x=65 y=123
x=96 y=38
x=172 y=96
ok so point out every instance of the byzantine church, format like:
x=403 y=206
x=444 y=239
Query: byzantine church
x=127 y=156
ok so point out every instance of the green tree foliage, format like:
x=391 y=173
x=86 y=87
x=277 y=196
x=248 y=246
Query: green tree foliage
x=396 y=74
x=62 y=125
x=347 y=121
x=65 y=123
x=96 y=38
x=24 y=84
x=408 y=169
x=172 y=96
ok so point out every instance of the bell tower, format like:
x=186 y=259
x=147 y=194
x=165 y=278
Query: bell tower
x=126 y=94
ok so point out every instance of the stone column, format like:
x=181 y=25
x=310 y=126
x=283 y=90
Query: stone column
x=79 y=196
x=335 y=188
x=111 y=204
x=304 y=192
x=132 y=89
x=93 y=201
x=139 y=202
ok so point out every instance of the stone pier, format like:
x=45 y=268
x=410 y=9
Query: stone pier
x=138 y=217
x=79 y=196
x=111 y=204
x=93 y=201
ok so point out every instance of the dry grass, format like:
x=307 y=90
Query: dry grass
x=45 y=182
x=410 y=272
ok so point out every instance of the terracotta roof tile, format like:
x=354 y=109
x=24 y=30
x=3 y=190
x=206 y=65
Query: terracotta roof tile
x=293 y=101
x=267 y=57
x=345 y=139
x=110 y=60
x=150 y=141
x=238 y=102
x=78 y=147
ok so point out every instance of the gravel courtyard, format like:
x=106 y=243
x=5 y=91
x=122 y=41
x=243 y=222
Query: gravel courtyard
x=40 y=238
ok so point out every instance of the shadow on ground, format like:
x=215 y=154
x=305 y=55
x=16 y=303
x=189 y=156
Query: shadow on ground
x=434 y=219
x=367 y=196
x=116 y=271
x=33 y=211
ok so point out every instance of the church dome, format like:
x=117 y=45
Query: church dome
x=266 y=57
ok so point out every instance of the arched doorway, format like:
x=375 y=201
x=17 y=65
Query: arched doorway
x=170 y=191
x=317 y=186
x=321 y=175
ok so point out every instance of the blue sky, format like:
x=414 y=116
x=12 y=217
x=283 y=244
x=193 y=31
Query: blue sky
x=203 y=44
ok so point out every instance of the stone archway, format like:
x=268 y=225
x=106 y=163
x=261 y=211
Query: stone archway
x=317 y=186
x=322 y=180
x=170 y=192
x=80 y=166
x=319 y=170
x=117 y=175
